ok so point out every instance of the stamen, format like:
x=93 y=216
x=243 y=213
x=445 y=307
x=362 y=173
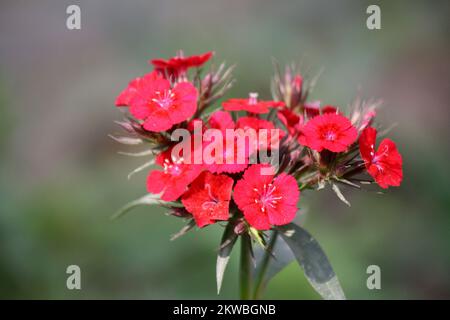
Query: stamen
x=330 y=136
x=267 y=197
x=165 y=99
x=253 y=98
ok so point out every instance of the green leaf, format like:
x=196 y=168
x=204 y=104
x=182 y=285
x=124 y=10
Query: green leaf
x=279 y=257
x=226 y=246
x=148 y=199
x=313 y=260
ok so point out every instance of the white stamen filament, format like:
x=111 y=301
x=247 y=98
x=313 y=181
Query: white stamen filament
x=253 y=98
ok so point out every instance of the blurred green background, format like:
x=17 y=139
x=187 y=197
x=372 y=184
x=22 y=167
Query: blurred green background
x=61 y=176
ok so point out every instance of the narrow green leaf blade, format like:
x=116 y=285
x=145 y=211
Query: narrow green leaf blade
x=148 y=199
x=313 y=260
x=138 y=154
x=140 y=168
x=126 y=140
x=339 y=194
x=226 y=246
x=184 y=230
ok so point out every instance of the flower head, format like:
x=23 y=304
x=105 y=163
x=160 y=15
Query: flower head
x=208 y=198
x=330 y=131
x=152 y=99
x=266 y=200
x=173 y=180
x=178 y=65
x=385 y=164
x=251 y=104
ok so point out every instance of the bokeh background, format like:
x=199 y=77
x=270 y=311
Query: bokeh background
x=61 y=176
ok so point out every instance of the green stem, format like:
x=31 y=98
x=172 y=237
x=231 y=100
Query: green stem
x=260 y=284
x=246 y=267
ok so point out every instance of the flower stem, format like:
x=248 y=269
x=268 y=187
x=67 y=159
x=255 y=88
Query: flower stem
x=260 y=284
x=246 y=267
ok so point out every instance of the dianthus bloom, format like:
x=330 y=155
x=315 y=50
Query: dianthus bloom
x=178 y=65
x=251 y=104
x=266 y=200
x=330 y=131
x=173 y=180
x=208 y=198
x=152 y=99
x=384 y=165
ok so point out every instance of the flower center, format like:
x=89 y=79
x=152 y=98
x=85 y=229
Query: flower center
x=267 y=197
x=253 y=98
x=330 y=135
x=376 y=159
x=173 y=168
x=164 y=99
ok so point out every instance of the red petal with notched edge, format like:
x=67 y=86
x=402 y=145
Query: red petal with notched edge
x=208 y=198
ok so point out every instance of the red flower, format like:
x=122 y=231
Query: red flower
x=329 y=131
x=152 y=99
x=208 y=198
x=266 y=200
x=384 y=165
x=251 y=104
x=178 y=65
x=173 y=180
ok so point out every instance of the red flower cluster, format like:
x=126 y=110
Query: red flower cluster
x=318 y=145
